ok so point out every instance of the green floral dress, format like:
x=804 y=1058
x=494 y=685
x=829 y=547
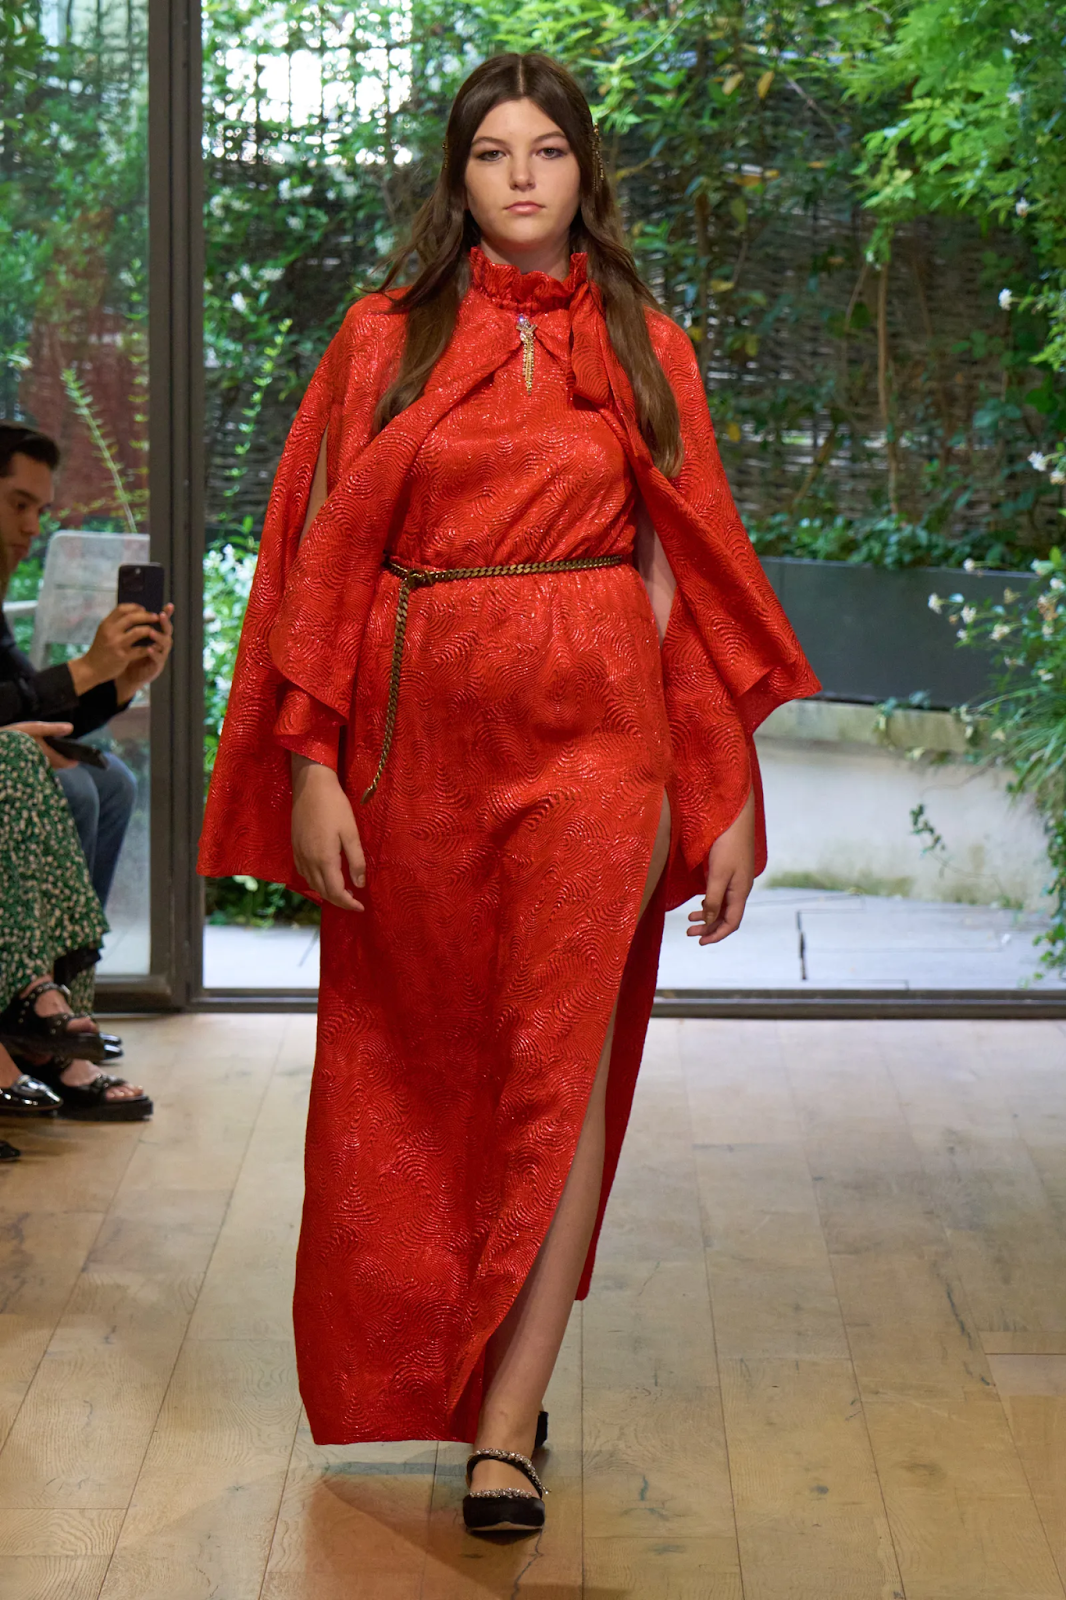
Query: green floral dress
x=50 y=918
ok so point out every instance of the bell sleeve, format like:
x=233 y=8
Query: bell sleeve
x=284 y=696
x=729 y=654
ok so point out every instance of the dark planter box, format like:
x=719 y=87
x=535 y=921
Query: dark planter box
x=870 y=635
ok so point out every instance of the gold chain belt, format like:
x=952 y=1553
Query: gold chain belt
x=425 y=578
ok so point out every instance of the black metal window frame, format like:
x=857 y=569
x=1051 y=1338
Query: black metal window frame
x=176 y=512
x=176 y=466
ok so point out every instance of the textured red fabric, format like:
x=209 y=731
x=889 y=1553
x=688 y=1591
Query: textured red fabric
x=462 y=1015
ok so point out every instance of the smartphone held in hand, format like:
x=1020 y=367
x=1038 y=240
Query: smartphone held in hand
x=74 y=750
x=142 y=583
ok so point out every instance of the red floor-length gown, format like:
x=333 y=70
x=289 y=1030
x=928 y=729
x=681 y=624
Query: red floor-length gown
x=461 y=1017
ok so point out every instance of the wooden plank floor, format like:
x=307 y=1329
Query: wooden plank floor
x=824 y=1357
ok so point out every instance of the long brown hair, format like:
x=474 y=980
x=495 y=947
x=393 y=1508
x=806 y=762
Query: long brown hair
x=443 y=232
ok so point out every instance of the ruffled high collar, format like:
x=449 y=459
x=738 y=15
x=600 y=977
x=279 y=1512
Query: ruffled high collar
x=526 y=291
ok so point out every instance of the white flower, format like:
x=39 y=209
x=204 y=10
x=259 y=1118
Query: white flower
x=1045 y=676
x=969 y=565
x=962 y=636
x=1038 y=461
x=1021 y=38
x=238 y=302
x=969 y=614
x=1001 y=630
x=1022 y=207
x=1008 y=596
x=999 y=733
x=1057 y=583
x=936 y=603
x=1058 y=476
x=1048 y=630
x=1006 y=299
x=1014 y=96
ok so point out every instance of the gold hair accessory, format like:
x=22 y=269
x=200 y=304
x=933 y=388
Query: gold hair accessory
x=597 y=155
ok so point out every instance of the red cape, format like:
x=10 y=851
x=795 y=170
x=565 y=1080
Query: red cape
x=729 y=655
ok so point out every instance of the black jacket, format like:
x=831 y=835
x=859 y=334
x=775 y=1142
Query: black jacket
x=48 y=696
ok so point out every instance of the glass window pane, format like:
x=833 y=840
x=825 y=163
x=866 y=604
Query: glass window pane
x=313 y=143
x=895 y=860
x=74 y=363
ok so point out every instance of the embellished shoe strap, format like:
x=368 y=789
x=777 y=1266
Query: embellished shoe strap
x=47 y=986
x=27 y=1003
x=513 y=1459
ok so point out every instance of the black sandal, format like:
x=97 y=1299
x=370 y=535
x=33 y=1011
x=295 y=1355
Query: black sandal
x=112 y=1043
x=21 y=1028
x=504 y=1510
x=8 y=1151
x=542 y=1431
x=88 y=1101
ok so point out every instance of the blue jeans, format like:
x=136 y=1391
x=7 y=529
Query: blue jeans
x=101 y=799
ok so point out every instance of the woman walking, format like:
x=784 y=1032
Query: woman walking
x=506 y=649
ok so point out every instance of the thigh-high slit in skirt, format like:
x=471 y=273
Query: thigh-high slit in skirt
x=463 y=1014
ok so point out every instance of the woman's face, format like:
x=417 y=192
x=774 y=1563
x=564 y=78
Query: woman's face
x=523 y=184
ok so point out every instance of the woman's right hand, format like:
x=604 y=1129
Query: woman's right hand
x=324 y=833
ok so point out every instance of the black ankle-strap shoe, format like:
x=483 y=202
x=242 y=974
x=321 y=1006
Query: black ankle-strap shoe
x=504 y=1510
x=28 y=1097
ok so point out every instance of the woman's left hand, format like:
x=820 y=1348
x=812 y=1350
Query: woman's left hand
x=730 y=875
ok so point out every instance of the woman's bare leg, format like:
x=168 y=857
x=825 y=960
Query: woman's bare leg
x=522 y=1352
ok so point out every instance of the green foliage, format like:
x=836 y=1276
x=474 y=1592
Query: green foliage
x=881 y=541
x=733 y=134
x=23 y=585
x=228 y=574
x=86 y=410
x=981 y=129
x=1026 y=720
x=73 y=122
x=251 y=413
x=255 y=904
x=73 y=216
x=932 y=841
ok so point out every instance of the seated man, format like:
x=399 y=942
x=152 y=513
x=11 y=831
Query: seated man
x=88 y=691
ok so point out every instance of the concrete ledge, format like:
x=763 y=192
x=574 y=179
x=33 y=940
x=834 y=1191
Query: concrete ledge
x=888 y=804
x=844 y=722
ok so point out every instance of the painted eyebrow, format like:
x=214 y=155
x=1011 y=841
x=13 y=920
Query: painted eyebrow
x=555 y=133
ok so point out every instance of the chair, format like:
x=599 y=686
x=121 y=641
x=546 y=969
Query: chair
x=78 y=587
